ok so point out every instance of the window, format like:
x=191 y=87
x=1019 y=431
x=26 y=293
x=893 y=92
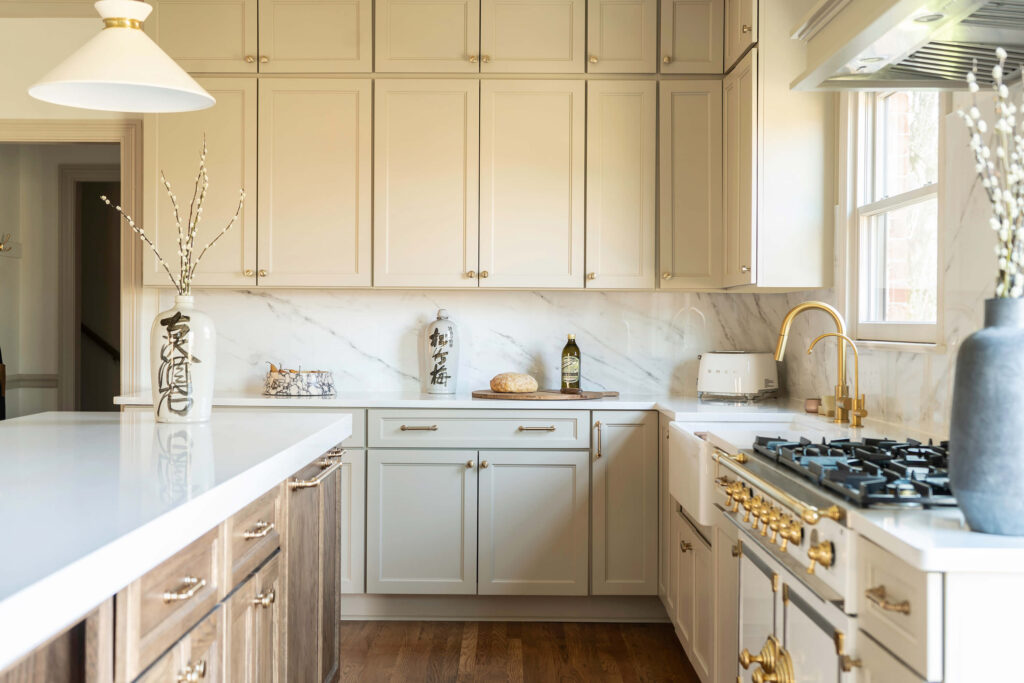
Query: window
x=893 y=277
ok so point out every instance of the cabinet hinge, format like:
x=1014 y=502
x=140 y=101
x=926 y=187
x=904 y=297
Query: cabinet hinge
x=775 y=583
x=785 y=594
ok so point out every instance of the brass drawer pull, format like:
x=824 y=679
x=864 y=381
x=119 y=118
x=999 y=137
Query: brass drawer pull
x=264 y=600
x=337 y=450
x=685 y=546
x=260 y=530
x=191 y=674
x=418 y=428
x=600 y=439
x=190 y=585
x=879 y=596
x=536 y=429
x=315 y=481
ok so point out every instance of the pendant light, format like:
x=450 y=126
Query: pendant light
x=122 y=69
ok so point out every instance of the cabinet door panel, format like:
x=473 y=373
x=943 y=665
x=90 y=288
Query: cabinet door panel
x=665 y=512
x=691 y=36
x=315 y=36
x=207 y=37
x=685 y=542
x=621 y=118
x=531 y=183
x=314 y=170
x=757 y=605
x=691 y=184
x=727 y=585
x=353 y=521
x=428 y=35
x=269 y=619
x=426 y=183
x=421 y=522
x=740 y=29
x=173 y=143
x=625 y=503
x=534 y=36
x=703 y=642
x=240 y=634
x=533 y=522
x=806 y=639
x=622 y=36
x=740 y=158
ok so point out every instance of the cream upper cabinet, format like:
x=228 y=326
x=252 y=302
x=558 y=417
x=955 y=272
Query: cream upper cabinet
x=691 y=184
x=314 y=178
x=622 y=36
x=426 y=145
x=428 y=35
x=210 y=37
x=531 y=183
x=532 y=36
x=740 y=29
x=172 y=144
x=299 y=36
x=691 y=36
x=740 y=159
x=621 y=122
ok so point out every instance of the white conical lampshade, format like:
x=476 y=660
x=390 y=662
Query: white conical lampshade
x=122 y=69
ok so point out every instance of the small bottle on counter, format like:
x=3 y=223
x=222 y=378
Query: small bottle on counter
x=441 y=349
x=571 y=367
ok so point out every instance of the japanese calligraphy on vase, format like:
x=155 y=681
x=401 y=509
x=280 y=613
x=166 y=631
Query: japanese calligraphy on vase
x=441 y=355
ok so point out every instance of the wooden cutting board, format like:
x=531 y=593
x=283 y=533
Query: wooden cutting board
x=544 y=395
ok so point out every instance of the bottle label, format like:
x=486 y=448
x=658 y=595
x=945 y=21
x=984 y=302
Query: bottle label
x=570 y=370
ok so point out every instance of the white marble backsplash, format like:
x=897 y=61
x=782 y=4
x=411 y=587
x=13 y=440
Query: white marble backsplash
x=632 y=342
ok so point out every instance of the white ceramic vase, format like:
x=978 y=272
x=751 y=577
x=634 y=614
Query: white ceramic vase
x=441 y=355
x=183 y=350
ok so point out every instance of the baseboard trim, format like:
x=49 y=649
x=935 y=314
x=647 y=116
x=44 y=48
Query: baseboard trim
x=642 y=609
x=32 y=381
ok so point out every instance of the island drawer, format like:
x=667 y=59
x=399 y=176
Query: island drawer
x=251 y=536
x=901 y=607
x=198 y=656
x=155 y=611
x=555 y=429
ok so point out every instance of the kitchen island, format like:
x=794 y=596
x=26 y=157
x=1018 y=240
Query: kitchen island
x=92 y=502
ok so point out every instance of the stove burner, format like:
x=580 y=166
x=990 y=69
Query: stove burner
x=871 y=472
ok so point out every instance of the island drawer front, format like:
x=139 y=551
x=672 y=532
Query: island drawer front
x=252 y=536
x=878 y=666
x=553 y=429
x=154 y=611
x=199 y=654
x=901 y=607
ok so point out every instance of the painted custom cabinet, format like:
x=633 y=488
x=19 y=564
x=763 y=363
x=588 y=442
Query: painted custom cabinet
x=740 y=29
x=692 y=616
x=172 y=144
x=739 y=94
x=314 y=182
x=534 y=510
x=326 y=36
x=531 y=183
x=353 y=521
x=426 y=183
x=428 y=35
x=621 y=152
x=207 y=37
x=622 y=36
x=540 y=36
x=666 y=513
x=726 y=566
x=691 y=184
x=691 y=36
x=624 y=466
x=408 y=550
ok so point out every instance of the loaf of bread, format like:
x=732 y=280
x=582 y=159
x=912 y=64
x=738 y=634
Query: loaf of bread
x=513 y=383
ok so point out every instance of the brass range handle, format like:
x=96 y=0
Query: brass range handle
x=774 y=664
x=264 y=600
x=418 y=428
x=190 y=585
x=880 y=597
x=313 y=483
x=193 y=673
x=808 y=513
x=536 y=429
x=260 y=530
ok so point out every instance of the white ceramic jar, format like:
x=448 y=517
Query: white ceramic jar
x=183 y=353
x=440 y=355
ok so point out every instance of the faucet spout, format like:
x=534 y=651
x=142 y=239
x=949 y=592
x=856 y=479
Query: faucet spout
x=840 y=323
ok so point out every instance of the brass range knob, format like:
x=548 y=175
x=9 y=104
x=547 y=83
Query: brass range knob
x=771 y=517
x=775 y=664
x=793 y=532
x=822 y=554
x=766 y=658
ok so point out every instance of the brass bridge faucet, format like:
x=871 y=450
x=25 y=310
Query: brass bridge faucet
x=842 y=389
x=855 y=404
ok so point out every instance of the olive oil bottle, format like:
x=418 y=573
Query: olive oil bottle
x=571 y=367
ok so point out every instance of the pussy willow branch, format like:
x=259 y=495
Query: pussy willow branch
x=234 y=219
x=145 y=238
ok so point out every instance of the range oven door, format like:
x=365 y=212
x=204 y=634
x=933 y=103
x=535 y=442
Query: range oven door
x=817 y=635
x=759 y=606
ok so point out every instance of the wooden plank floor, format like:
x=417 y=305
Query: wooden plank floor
x=511 y=651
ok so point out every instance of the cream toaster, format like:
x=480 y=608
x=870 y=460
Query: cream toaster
x=737 y=376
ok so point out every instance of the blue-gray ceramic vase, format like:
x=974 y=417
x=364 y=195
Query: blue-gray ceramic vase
x=986 y=438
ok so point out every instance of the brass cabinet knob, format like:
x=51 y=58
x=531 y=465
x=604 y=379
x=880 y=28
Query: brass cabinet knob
x=485 y=59
x=264 y=59
x=249 y=59
x=470 y=464
x=191 y=673
x=666 y=276
x=484 y=274
x=484 y=464
x=737 y=549
x=746 y=28
x=744 y=269
x=820 y=554
x=264 y=600
x=593 y=59
x=264 y=273
x=471 y=274
x=685 y=546
x=472 y=59
x=666 y=59
x=591 y=276
x=248 y=272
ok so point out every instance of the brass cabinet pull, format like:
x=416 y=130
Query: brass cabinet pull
x=591 y=276
x=472 y=59
x=471 y=274
x=190 y=585
x=737 y=549
x=593 y=59
x=191 y=674
x=536 y=429
x=880 y=597
x=666 y=276
x=600 y=439
x=470 y=464
x=249 y=59
x=484 y=274
x=264 y=600
x=746 y=28
x=484 y=464
x=248 y=272
x=263 y=272
x=418 y=428
x=685 y=546
x=485 y=59
x=337 y=450
x=260 y=530
x=846 y=662
x=666 y=59
x=264 y=59
x=315 y=481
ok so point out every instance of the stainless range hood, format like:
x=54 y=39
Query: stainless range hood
x=897 y=44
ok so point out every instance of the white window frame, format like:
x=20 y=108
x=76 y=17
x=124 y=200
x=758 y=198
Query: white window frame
x=856 y=174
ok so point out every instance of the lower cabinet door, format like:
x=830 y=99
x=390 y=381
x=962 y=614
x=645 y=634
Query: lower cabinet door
x=726 y=550
x=198 y=656
x=421 y=521
x=703 y=643
x=252 y=633
x=353 y=520
x=809 y=636
x=685 y=545
x=534 y=512
x=758 y=581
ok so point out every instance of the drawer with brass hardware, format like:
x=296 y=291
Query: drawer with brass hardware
x=251 y=535
x=547 y=429
x=153 y=612
x=197 y=658
x=901 y=607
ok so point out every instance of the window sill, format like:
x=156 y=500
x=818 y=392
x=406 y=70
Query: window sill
x=901 y=347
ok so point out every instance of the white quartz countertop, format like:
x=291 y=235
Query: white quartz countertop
x=91 y=501
x=674 y=407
